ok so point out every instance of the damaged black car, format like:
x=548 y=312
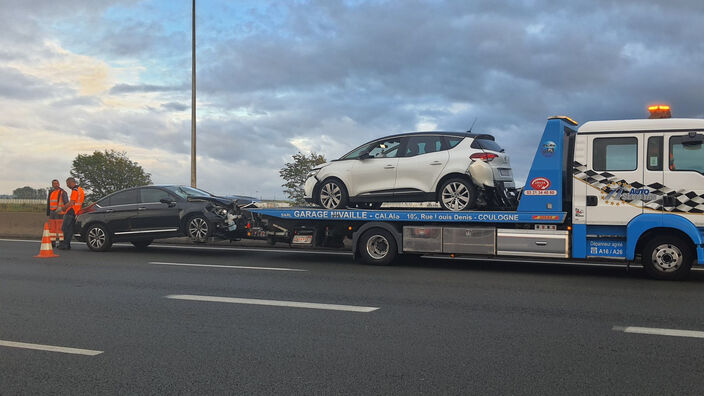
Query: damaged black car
x=142 y=214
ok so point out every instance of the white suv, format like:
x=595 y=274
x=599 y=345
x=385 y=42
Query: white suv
x=413 y=167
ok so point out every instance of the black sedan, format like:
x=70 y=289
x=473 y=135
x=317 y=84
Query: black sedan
x=141 y=214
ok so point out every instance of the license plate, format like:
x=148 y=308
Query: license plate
x=302 y=239
x=505 y=172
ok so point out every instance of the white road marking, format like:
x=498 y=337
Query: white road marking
x=662 y=332
x=275 y=303
x=228 y=266
x=50 y=348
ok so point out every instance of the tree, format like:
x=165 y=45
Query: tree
x=295 y=174
x=28 y=192
x=103 y=173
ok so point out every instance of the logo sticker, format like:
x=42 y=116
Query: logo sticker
x=579 y=213
x=540 y=183
x=548 y=148
x=546 y=217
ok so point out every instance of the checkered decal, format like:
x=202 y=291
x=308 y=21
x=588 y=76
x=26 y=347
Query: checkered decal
x=687 y=201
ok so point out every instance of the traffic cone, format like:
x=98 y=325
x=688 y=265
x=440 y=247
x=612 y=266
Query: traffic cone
x=45 y=251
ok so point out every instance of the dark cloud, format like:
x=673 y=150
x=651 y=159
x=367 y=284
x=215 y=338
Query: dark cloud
x=18 y=86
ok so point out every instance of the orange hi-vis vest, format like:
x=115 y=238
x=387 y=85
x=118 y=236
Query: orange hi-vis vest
x=54 y=199
x=77 y=196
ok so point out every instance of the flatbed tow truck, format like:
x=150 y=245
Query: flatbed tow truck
x=624 y=190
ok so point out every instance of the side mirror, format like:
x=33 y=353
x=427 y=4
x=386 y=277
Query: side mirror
x=168 y=202
x=364 y=156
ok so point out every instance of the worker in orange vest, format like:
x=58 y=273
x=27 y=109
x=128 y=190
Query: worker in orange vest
x=71 y=210
x=55 y=200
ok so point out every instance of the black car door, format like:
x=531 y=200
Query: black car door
x=120 y=210
x=155 y=216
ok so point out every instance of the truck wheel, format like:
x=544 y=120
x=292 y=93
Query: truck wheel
x=377 y=247
x=457 y=194
x=667 y=257
x=98 y=238
x=332 y=194
x=198 y=229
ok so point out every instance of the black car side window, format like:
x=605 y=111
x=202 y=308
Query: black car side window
x=125 y=198
x=150 y=195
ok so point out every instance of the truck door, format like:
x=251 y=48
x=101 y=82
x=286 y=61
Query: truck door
x=684 y=175
x=614 y=169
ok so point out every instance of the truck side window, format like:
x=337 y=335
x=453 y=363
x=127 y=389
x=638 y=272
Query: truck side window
x=686 y=157
x=615 y=154
x=654 y=156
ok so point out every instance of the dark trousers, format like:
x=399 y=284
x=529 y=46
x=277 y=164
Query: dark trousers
x=67 y=227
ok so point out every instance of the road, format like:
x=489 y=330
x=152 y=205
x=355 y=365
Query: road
x=176 y=319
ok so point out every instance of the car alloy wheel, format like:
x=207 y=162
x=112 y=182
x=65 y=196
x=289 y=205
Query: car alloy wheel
x=96 y=238
x=331 y=195
x=455 y=196
x=198 y=229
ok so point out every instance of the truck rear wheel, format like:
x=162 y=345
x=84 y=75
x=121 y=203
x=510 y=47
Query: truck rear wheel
x=667 y=258
x=377 y=247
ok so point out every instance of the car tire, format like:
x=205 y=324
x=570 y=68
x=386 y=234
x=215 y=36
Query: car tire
x=332 y=194
x=377 y=247
x=98 y=238
x=667 y=257
x=142 y=243
x=198 y=228
x=457 y=194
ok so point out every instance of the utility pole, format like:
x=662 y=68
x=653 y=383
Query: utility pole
x=193 y=98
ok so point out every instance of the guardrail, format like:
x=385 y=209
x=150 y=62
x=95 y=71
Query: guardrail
x=22 y=201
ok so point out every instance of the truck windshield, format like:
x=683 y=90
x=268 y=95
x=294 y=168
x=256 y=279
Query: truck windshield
x=486 y=144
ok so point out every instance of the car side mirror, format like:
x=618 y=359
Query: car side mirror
x=168 y=202
x=364 y=156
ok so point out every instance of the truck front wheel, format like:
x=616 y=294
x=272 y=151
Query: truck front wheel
x=667 y=257
x=377 y=247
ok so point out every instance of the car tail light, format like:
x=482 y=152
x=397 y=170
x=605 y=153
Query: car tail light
x=483 y=156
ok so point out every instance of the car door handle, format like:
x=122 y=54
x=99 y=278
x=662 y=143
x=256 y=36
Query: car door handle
x=108 y=210
x=389 y=167
x=436 y=163
x=142 y=208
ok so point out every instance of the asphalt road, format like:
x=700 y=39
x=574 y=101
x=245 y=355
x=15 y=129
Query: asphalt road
x=139 y=324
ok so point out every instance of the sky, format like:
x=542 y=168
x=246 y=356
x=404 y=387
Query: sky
x=278 y=77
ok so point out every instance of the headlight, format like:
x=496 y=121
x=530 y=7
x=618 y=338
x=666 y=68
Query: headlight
x=312 y=173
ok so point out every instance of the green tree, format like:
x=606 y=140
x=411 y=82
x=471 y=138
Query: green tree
x=28 y=192
x=295 y=174
x=102 y=173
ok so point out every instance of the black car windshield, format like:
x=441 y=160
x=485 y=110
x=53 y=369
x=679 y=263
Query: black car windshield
x=185 y=192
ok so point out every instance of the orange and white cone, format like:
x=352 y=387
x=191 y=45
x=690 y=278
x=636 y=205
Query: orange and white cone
x=45 y=251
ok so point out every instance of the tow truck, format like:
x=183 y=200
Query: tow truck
x=626 y=190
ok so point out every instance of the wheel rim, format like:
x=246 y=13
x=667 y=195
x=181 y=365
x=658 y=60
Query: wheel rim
x=96 y=237
x=377 y=247
x=330 y=195
x=198 y=228
x=667 y=258
x=455 y=196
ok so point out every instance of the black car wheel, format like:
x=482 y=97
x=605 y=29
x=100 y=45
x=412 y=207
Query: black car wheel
x=332 y=194
x=98 y=238
x=142 y=243
x=377 y=247
x=667 y=257
x=198 y=229
x=457 y=194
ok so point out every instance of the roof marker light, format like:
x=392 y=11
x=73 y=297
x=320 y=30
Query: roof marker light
x=659 y=111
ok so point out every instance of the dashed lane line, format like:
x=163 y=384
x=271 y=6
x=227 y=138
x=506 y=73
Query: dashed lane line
x=660 y=332
x=228 y=266
x=49 y=348
x=274 y=303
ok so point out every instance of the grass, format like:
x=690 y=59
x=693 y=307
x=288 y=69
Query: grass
x=16 y=207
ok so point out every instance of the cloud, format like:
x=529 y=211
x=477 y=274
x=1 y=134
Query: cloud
x=127 y=88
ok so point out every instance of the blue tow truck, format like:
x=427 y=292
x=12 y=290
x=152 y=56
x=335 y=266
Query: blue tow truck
x=628 y=190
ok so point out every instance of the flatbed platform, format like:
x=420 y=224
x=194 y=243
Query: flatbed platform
x=396 y=215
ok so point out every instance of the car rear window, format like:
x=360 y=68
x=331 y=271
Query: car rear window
x=486 y=144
